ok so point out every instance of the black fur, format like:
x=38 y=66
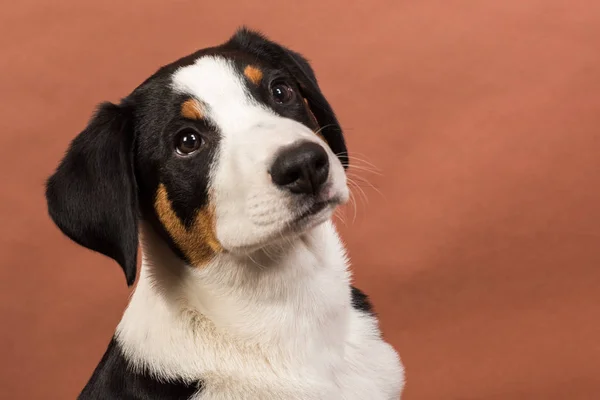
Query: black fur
x=360 y=301
x=186 y=178
x=115 y=379
x=297 y=66
x=92 y=196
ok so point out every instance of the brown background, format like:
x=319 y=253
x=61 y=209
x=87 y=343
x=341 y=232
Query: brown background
x=482 y=251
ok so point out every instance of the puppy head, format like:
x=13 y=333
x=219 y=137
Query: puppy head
x=227 y=150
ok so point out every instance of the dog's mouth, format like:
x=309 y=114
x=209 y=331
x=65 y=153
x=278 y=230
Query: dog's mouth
x=313 y=210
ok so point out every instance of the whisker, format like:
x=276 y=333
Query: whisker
x=323 y=127
x=368 y=184
x=338 y=215
x=358 y=157
x=364 y=195
x=254 y=261
x=352 y=202
x=268 y=254
x=361 y=168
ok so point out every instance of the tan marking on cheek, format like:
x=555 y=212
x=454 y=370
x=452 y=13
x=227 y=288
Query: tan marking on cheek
x=191 y=109
x=253 y=74
x=314 y=120
x=199 y=242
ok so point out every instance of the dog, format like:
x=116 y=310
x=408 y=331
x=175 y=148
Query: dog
x=226 y=166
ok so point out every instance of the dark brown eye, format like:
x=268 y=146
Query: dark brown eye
x=282 y=93
x=187 y=142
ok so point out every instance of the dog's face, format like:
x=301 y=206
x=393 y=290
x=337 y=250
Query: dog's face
x=230 y=149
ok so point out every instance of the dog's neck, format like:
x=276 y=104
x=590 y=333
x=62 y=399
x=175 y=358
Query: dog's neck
x=294 y=299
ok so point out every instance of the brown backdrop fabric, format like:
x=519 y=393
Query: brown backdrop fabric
x=479 y=241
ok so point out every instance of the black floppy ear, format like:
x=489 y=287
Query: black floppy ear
x=92 y=196
x=299 y=67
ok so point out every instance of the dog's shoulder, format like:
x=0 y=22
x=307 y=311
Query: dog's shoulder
x=114 y=378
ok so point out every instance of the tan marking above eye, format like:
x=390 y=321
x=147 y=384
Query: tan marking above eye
x=191 y=109
x=199 y=242
x=253 y=74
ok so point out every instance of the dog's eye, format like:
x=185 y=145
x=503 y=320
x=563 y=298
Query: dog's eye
x=282 y=93
x=187 y=141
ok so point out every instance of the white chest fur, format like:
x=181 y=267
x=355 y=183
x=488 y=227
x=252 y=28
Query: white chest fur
x=280 y=326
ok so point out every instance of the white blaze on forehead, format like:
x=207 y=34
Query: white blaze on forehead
x=214 y=81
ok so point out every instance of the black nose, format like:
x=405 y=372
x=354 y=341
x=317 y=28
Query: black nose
x=301 y=168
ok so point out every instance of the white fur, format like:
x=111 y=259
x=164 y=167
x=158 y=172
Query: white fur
x=265 y=319
x=283 y=329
